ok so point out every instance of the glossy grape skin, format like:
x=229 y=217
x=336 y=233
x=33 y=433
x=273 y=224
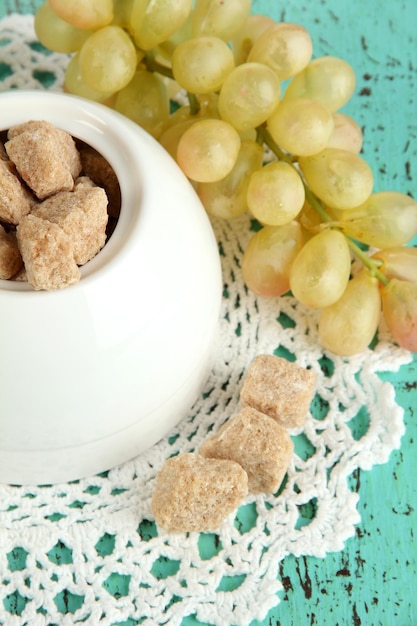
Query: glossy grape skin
x=226 y=198
x=320 y=271
x=55 y=33
x=208 y=150
x=348 y=326
x=249 y=95
x=341 y=179
x=200 y=65
x=398 y=262
x=268 y=258
x=327 y=79
x=144 y=100
x=286 y=48
x=399 y=306
x=386 y=219
x=74 y=84
x=300 y=126
x=154 y=22
x=86 y=14
x=108 y=59
x=275 y=194
x=346 y=135
x=221 y=18
x=243 y=43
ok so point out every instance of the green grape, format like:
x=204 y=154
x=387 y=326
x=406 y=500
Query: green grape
x=108 y=59
x=267 y=260
x=347 y=134
x=122 y=10
x=144 y=100
x=183 y=33
x=286 y=48
x=74 y=84
x=249 y=95
x=56 y=34
x=87 y=14
x=243 y=42
x=200 y=65
x=301 y=126
x=384 y=220
x=154 y=22
x=208 y=150
x=320 y=272
x=226 y=198
x=220 y=18
x=348 y=326
x=398 y=262
x=327 y=79
x=399 y=307
x=275 y=194
x=341 y=179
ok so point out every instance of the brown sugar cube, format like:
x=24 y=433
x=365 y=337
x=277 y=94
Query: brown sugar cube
x=10 y=257
x=82 y=214
x=45 y=157
x=194 y=493
x=258 y=443
x=96 y=167
x=15 y=199
x=279 y=388
x=47 y=254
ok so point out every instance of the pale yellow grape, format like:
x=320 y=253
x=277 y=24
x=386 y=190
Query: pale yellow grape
x=183 y=33
x=301 y=126
x=122 y=10
x=56 y=34
x=73 y=83
x=243 y=42
x=398 y=262
x=172 y=134
x=87 y=14
x=286 y=48
x=268 y=258
x=221 y=18
x=108 y=59
x=341 y=179
x=249 y=95
x=226 y=198
x=144 y=100
x=399 y=306
x=327 y=79
x=154 y=22
x=346 y=135
x=384 y=220
x=208 y=150
x=275 y=194
x=320 y=272
x=200 y=65
x=348 y=326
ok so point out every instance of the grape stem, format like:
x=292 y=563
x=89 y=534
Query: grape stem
x=264 y=136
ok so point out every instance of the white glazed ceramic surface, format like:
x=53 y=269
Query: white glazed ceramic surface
x=93 y=374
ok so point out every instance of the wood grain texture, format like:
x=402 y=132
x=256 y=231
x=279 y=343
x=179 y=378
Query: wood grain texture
x=370 y=582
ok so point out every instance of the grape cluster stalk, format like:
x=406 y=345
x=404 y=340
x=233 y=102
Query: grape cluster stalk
x=262 y=132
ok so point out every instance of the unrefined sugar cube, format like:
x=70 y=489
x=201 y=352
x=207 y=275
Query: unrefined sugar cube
x=96 y=167
x=15 y=199
x=279 y=388
x=10 y=257
x=258 y=443
x=82 y=214
x=194 y=493
x=47 y=254
x=46 y=157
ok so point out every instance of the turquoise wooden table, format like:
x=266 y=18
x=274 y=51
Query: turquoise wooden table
x=371 y=581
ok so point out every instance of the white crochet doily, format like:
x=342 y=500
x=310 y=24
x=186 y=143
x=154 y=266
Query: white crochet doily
x=89 y=552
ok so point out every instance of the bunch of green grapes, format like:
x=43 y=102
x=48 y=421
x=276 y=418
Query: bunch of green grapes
x=261 y=132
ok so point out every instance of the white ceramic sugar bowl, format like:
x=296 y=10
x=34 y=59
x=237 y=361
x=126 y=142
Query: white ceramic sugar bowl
x=94 y=374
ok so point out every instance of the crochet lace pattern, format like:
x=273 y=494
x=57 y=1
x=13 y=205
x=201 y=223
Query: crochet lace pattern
x=89 y=551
